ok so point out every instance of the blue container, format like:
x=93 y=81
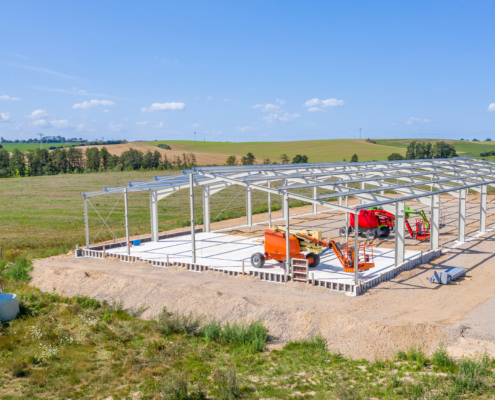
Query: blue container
x=136 y=242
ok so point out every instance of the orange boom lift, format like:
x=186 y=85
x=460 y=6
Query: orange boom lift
x=275 y=249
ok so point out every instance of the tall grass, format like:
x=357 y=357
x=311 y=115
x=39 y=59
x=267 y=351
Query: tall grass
x=18 y=271
x=252 y=335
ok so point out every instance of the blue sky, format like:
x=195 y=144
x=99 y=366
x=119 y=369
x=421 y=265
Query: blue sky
x=247 y=70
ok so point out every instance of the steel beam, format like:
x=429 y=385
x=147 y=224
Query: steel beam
x=193 y=222
x=154 y=216
x=435 y=222
x=315 y=194
x=126 y=209
x=356 y=249
x=400 y=219
x=483 y=209
x=249 y=207
x=461 y=232
x=86 y=225
x=287 y=234
x=206 y=208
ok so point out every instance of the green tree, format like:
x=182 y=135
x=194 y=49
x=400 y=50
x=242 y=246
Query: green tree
x=192 y=158
x=284 y=158
x=420 y=151
x=157 y=159
x=300 y=159
x=411 y=151
x=17 y=164
x=104 y=156
x=231 y=160
x=248 y=159
x=394 y=157
x=93 y=158
x=131 y=159
x=113 y=161
x=60 y=161
x=266 y=161
x=443 y=150
x=4 y=163
x=148 y=160
x=75 y=158
x=354 y=158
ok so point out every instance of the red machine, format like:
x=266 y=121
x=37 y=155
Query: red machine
x=422 y=230
x=372 y=223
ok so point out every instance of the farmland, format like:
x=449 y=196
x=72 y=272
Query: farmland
x=10 y=147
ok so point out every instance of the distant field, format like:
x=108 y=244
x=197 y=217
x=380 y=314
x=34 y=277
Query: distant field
x=463 y=147
x=32 y=146
x=316 y=150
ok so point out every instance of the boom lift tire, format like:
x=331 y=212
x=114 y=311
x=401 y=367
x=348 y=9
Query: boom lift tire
x=385 y=231
x=313 y=260
x=257 y=260
x=370 y=235
x=342 y=231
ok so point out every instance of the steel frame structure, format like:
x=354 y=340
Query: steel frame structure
x=410 y=179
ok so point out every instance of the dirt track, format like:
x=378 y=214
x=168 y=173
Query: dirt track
x=404 y=311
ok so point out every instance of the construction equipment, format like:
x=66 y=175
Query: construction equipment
x=372 y=223
x=422 y=231
x=444 y=277
x=304 y=240
x=275 y=249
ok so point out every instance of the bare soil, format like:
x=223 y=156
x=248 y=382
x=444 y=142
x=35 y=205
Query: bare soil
x=405 y=311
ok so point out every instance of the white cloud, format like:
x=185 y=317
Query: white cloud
x=267 y=107
x=5 y=97
x=227 y=100
x=247 y=129
x=5 y=117
x=42 y=123
x=164 y=107
x=88 y=104
x=316 y=109
x=37 y=114
x=160 y=125
x=105 y=111
x=115 y=127
x=80 y=127
x=280 y=101
x=491 y=107
x=209 y=98
x=285 y=118
x=324 y=103
x=142 y=123
x=195 y=125
x=413 y=120
x=62 y=123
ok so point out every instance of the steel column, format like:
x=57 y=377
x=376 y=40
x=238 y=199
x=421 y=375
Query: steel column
x=283 y=199
x=154 y=215
x=86 y=225
x=249 y=207
x=356 y=248
x=315 y=193
x=269 y=211
x=287 y=234
x=483 y=209
x=126 y=207
x=400 y=220
x=206 y=208
x=461 y=233
x=346 y=220
x=435 y=222
x=193 y=223
x=361 y=201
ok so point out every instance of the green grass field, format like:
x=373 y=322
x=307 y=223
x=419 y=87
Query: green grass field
x=33 y=146
x=319 y=150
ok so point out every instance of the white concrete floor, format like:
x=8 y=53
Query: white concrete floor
x=218 y=250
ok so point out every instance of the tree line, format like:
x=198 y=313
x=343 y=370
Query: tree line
x=75 y=160
x=420 y=151
x=249 y=159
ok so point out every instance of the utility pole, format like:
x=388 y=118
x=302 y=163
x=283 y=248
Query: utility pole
x=359 y=133
x=194 y=137
x=41 y=140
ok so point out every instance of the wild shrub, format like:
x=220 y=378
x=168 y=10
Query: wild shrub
x=19 y=270
x=345 y=392
x=252 y=335
x=315 y=344
x=87 y=303
x=471 y=375
x=441 y=358
x=176 y=387
x=227 y=384
x=169 y=323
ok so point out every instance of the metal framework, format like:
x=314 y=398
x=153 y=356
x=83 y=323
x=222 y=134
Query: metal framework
x=421 y=180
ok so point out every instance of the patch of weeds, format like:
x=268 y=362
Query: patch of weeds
x=176 y=387
x=314 y=344
x=19 y=270
x=471 y=375
x=136 y=312
x=442 y=360
x=253 y=335
x=345 y=392
x=227 y=384
x=169 y=323
x=87 y=303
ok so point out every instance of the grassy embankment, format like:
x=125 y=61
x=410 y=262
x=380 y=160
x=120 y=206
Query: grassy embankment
x=79 y=348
